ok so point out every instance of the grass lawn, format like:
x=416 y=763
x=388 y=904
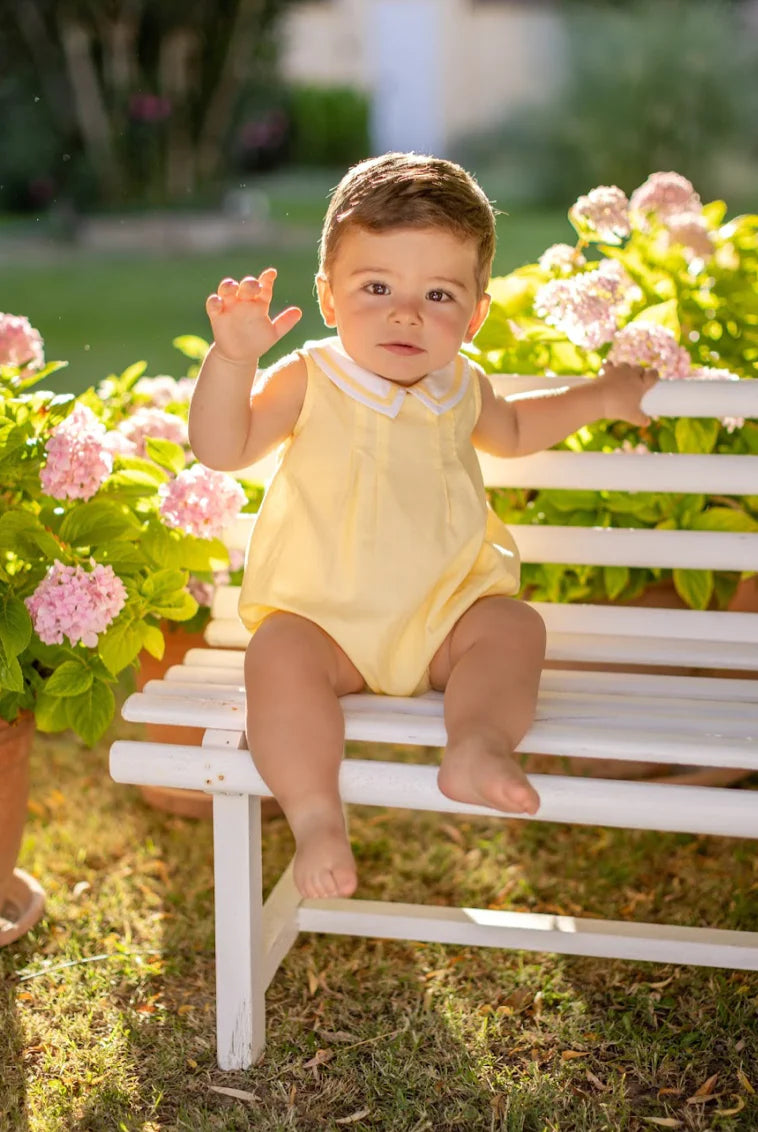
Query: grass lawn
x=101 y=313
x=106 y=1007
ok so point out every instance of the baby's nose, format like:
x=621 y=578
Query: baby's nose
x=406 y=310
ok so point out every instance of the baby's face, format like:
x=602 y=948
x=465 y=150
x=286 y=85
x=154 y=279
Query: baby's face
x=403 y=301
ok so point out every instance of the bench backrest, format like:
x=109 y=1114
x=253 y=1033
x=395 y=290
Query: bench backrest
x=607 y=633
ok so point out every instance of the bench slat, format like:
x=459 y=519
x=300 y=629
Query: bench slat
x=532 y=931
x=619 y=804
x=605 y=649
x=685 y=473
x=553 y=679
x=685 y=736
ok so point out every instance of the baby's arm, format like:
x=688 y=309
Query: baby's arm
x=230 y=424
x=531 y=422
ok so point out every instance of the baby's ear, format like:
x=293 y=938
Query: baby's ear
x=477 y=319
x=326 y=300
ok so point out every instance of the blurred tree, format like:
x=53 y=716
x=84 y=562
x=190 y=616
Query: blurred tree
x=145 y=92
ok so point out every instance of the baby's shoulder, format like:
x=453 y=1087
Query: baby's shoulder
x=289 y=369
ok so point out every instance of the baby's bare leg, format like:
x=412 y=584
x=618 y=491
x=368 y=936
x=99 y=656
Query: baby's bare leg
x=294 y=674
x=489 y=666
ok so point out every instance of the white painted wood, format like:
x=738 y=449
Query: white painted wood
x=528 y=931
x=661 y=685
x=580 y=801
x=618 y=648
x=617 y=546
x=240 y=987
x=599 y=709
x=625 y=471
x=698 y=734
x=613 y=546
x=280 y=923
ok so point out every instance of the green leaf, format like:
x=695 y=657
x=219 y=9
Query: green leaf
x=120 y=645
x=695 y=587
x=163 y=585
x=192 y=346
x=133 y=373
x=69 y=679
x=153 y=641
x=184 y=607
x=661 y=314
x=21 y=531
x=11 y=675
x=724 y=519
x=51 y=713
x=714 y=212
x=166 y=453
x=99 y=521
x=616 y=578
x=91 y=713
x=696 y=434
x=15 y=625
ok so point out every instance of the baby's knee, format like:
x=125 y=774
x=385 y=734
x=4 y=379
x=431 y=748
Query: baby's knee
x=275 y=646
x=520 y=625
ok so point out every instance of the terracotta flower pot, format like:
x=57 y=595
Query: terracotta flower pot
x=21 y=898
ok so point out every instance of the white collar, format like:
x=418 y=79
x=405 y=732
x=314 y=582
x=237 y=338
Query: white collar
x=440 y=390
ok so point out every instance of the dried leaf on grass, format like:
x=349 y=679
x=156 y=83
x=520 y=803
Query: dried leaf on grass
x=743 y=1080
x=354 y=1117
x=705 y=1093
x=570 y=1054
x=731 y=1111
x=237 y=1094
x=593 y=1080
x=663 y=1121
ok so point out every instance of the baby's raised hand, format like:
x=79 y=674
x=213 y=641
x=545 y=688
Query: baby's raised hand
x=243 y=330
x=623 y=387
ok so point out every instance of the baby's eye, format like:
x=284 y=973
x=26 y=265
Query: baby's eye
x=438 y=296
x=377 y=289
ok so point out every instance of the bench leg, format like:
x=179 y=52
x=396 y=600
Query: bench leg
x=240 y=975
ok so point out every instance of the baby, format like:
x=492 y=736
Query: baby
x=375 y=562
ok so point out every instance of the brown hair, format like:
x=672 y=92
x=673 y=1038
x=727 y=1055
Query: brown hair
x=410 y=190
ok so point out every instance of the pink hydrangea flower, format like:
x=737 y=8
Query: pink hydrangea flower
x=603 y=214
x=76 y=603
x=690 y=230
x=561 y=259
x=164 y=390
x=664 y=194
x=155 y=423
x=711 y=373
x=648 y=344
x=201 y=591
x=585 y=307
x=78 y=460
x=201 y=501
x=20 y=343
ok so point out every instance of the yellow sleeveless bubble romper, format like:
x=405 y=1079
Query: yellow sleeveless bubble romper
x=375 y=524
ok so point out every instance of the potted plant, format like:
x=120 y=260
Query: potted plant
x=102 y=522
x=656 y=279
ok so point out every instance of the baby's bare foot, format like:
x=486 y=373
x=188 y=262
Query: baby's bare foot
x=480 y=772
x=324 y=864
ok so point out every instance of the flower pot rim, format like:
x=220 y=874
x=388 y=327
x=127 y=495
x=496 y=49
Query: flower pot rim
x=23 y=906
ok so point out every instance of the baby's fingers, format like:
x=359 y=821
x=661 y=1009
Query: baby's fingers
x=285 y=321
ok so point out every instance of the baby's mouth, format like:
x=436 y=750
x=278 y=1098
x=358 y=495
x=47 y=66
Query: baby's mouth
x=406 y=349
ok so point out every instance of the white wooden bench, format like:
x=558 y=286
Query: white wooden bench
x=694 y=720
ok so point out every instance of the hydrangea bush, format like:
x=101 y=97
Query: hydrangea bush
x=657 y=279
x=105 y=522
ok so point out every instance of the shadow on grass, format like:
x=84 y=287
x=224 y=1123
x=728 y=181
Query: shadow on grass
x=13 y=1112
